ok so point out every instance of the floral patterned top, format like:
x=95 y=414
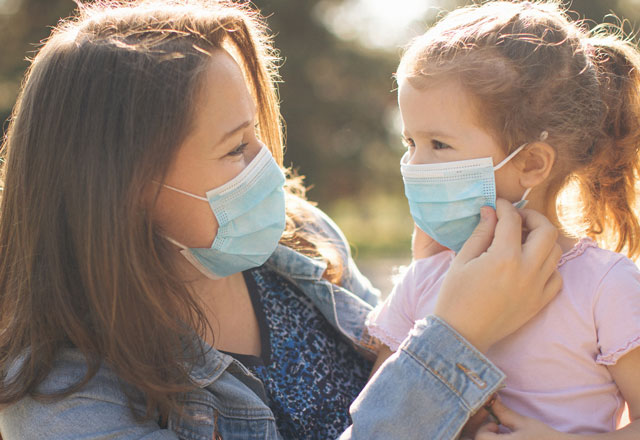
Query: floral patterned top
x=310 y=373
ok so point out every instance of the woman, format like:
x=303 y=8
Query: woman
x=152 y=285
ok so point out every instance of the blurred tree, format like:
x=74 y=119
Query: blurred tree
x=23 y=24
x=335 y=100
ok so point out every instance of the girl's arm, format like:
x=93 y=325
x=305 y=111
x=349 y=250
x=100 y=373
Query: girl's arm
x=383 y=353
x=625 y=374
x=436 y=379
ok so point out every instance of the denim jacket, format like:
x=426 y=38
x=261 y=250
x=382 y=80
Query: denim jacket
x=426 y=390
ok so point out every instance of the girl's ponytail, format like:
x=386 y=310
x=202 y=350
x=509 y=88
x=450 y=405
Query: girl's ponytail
x=608 y=182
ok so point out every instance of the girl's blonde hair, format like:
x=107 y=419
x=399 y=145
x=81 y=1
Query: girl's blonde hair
x=104 y=106
x=531 y=69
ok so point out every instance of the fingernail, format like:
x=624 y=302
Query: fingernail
x=484 y=213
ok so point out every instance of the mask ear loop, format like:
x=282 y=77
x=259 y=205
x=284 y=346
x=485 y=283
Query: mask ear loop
x=509 y=157
x=175 y=242
x=184 y=192
x=543 y=137
x=523 y=201
x=186 y=253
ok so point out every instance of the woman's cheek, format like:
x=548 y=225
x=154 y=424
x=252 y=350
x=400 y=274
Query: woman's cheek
x=189 y=221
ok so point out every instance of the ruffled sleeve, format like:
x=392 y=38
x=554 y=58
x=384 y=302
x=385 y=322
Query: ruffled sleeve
x=617 y=312
x=411 y=299
x=391 y=320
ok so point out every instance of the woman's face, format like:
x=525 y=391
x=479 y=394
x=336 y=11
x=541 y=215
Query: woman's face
x=222 y=142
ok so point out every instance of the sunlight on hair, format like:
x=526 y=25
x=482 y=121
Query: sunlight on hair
x=379 y=24
x=569 y=209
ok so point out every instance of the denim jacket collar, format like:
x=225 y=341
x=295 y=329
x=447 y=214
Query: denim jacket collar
x=291 y=263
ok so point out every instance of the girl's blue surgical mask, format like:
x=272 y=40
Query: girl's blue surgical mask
x=250 y=210
x=445 y=198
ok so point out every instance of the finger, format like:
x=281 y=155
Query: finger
x=508 y=417
x=541 y=238
x=551 y=289
x=481 y=237
x=508 y=232
x=550 y=264
x=489 y=427
x=533 y=220
x=488 y=432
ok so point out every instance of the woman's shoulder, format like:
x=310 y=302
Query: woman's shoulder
x=69 y=370
x=98 y=404
x=312 y=219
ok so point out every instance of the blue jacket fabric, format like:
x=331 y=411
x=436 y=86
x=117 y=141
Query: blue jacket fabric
x=426 y=390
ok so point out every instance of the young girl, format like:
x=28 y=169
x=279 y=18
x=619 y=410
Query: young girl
x=511 y=99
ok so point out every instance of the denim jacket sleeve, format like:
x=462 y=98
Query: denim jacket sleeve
x=425 y=390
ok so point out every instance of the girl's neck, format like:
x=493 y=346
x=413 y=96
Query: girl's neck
x=565 y=241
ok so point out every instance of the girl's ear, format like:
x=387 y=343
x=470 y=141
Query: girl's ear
x=535 y=163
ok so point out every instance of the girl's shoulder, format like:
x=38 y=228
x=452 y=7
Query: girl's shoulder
x=605 y=285
x=588 y=259
x=424 y=273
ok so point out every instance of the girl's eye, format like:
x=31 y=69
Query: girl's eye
x=437 y=145
x=238 y=150
x=408 y=142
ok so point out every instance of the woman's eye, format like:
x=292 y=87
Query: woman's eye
x=437 y=145
x=238 y=150
x=408 y=142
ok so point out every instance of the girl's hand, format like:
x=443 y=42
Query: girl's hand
x=496 y=283
x=422 y=245
x=522 y=428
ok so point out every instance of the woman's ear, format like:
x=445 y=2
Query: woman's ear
x=535 y=163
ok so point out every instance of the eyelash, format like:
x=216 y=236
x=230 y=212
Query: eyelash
x=437 y=145
x=408 y=143
x=238 y=150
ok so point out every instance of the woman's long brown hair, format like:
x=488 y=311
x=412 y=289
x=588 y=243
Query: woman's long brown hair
x=104 y=105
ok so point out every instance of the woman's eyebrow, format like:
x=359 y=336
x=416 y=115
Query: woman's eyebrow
x=240 y=127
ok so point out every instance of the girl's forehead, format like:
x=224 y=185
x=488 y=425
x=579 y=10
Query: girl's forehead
x=442 y=106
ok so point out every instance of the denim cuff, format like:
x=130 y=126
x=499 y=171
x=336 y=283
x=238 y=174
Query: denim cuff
x=454 y=361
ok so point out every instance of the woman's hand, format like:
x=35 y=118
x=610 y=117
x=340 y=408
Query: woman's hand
x=522 y=428
x=496 y=283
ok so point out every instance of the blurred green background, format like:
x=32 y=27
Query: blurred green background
x=338 y=100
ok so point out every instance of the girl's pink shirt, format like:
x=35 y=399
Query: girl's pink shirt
x=556 y=364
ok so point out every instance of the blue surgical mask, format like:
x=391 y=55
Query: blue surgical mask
x=250 y=210
x=445 y=198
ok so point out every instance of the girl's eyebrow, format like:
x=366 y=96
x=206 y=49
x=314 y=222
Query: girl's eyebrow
x=431 y=134
x=435 y=134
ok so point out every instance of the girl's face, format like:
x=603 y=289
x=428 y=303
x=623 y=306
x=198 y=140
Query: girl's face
x=440 y=125
x=222 y=142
